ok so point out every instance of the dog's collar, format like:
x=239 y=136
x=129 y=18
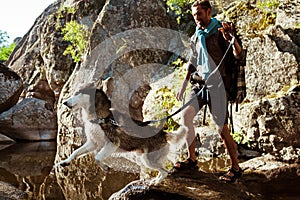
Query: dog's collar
x=105 y=120
x=97 y=121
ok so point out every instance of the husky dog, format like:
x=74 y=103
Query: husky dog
x=105 y=136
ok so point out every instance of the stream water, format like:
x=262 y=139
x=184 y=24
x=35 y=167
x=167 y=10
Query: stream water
x=26 y=173
x=23 y=167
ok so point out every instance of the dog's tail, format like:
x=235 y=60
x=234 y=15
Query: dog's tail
x=178 y=136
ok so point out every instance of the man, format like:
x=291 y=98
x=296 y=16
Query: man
x=209 y=44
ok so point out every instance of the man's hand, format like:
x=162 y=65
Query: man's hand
x=226 y=30
x=179 y=96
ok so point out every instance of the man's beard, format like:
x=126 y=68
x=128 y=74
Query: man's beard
x=202 y=23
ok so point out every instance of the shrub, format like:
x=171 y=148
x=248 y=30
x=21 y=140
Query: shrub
x=268 y=7
x=179 y=7
x=77 y=35
x=5 y=52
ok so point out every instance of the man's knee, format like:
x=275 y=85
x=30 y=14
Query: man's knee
x=224 y=131
x=188 y=114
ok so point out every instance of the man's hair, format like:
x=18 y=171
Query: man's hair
x=204 y=4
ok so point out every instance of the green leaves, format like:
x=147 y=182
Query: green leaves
x=268 y=6
x=5 y=50
x=77 y=35
x=179 y=7
x=239 y=138
x=165 y=101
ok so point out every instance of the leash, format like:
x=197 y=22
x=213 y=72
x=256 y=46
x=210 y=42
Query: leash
x=197 y=94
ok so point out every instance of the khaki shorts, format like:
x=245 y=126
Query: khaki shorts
x=216 y=100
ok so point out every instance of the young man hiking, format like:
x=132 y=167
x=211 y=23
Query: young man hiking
x=209 y=44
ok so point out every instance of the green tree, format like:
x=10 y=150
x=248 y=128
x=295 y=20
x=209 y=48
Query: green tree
x=3 y=38
x=5 y=50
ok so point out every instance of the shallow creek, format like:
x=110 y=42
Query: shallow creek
x=27 y=168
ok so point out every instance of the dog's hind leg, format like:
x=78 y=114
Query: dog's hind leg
x=156 y=160
x=106 y=151
x=86 y=148
x=162 y=174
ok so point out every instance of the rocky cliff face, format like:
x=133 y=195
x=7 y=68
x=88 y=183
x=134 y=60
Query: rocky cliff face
x=270 y=120
x=122 y=41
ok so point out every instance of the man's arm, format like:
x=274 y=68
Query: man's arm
x=179 y=95
x=237 y=49
x=227 y=32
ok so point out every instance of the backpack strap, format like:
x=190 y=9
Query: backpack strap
x=205 y=97
x=231 y=118
x=204 y=114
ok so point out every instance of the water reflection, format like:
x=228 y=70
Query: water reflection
x=26 y=173
x=213 y=164
x=24 y=167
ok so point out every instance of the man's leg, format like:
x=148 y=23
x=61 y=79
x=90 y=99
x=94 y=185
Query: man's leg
x=187 y=120
x=235 y=171
x=230 y=145
x=188 y=116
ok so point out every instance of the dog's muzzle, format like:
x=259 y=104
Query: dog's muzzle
x=66 y=103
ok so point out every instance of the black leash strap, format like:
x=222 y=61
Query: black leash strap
x=198 y=93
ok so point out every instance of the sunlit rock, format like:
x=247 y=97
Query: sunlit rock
x=11 y=87
x=31 y=119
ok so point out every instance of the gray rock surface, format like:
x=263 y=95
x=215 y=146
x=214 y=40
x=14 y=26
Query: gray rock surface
x=31 y=119
x=11 y=86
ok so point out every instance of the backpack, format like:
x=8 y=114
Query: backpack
x=237 y=91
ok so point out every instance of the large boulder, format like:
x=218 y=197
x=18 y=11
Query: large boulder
x=264 y=178
x=272 y=125
x=39 y=57
x=268 y=120
x=31 y=119
x=44 y=69
x=116 y=17
x=288 y=14
x=11 y=86
x=5 y=141
x=26 y=59
x=271 y=66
